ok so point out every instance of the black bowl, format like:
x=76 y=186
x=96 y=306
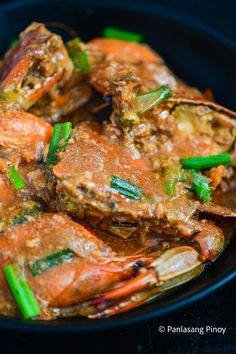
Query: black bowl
x=200 y=56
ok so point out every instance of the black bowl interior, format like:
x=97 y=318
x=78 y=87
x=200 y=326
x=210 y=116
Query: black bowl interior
x=199 y=55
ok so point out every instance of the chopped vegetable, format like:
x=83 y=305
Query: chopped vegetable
x=147 y=101
x=200 y=185
x=50 y=261
x=129 y=119
x=125 y=188
x=78 y=56
x=9 y=96
x=60 y=137
x=171 y=177
x=21 y=291
x=202 y=162
x=15 y=178
x=25 y=215
x=182 y=177
x=14 y=42
x=111 y=32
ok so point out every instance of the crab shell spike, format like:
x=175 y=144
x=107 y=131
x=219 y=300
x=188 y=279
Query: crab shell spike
x=171 y=264
x=148 y=295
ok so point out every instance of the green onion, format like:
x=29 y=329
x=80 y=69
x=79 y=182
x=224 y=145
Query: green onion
x=9 y=97
x=15 y=178
x=111 y=32
x=50 y=261
x=21 y=292
x=201 y=162
x=145 y=102
x=171 y=177
x=25 y=215
x=182 y=177
x=60 y=137
x=78 y=56
x=200 y=185
x=125 y=188
x=14 y=42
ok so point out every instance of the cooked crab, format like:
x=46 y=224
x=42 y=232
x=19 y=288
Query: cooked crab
x=141 y=177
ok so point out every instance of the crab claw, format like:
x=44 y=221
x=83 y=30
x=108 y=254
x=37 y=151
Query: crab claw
x=22 y=136
x=174 y=267
x=147 y=295
x=210 y=240
x=31 y=69
x=163 y=273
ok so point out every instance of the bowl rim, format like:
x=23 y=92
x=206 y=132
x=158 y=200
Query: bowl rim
x=115 y=321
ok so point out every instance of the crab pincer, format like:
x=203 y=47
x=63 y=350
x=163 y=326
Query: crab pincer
x=174 y=267
x=32 y=68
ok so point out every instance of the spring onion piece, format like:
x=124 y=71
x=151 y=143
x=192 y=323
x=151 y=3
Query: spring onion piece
x=201 y=162
x=21 y=291
x=145 y=102
x=15 y=178
x=78 y=56
x=60 y=137
x=200 y=185
x=9 y=97
x=112 y=32
x=14 y=42
x=171 y=178
x=125 y=188
x=182 y=177
x=50 y=261
x=25 y=215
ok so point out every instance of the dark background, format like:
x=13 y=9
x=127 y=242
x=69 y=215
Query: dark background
x=218 y=309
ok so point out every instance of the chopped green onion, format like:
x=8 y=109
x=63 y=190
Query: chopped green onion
x=111 y=32
x=182 y=177
x=61 y=134
x=125 y=188
x=25 y=215
x=201 y=162
x=171 y=177
x=14 y=42
x=78 y=56
x=15 y=178
x=21 y=291
x=145 y=102
x=200 y=185
x=65 y=131
x=50 y=261
x=9 y=97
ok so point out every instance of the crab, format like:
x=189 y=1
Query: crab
x=84 y=184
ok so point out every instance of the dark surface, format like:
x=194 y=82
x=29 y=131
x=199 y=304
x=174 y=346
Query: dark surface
x=218 y=309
